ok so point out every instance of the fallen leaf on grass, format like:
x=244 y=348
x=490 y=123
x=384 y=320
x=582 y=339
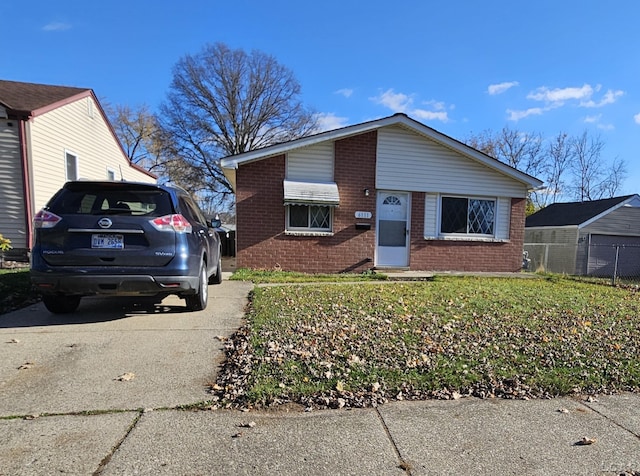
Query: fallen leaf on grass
x=585 y=441
x=125 y=377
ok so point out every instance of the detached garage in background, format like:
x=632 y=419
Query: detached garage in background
x=595 y=238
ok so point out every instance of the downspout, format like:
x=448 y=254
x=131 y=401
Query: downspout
x=26 y=182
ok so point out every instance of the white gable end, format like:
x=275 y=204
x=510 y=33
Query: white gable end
x=409 y=161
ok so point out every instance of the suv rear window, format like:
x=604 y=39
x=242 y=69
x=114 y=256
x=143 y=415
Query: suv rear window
x=109 y=200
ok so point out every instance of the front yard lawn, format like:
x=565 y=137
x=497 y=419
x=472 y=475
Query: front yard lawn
x=361 y=344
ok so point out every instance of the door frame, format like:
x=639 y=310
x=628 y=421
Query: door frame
x=401 y=258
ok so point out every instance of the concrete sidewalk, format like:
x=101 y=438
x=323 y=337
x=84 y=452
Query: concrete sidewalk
x=466 y=436
x=67 y=414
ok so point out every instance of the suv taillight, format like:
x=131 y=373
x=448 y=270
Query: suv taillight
x=176 y=223
x=45 y=219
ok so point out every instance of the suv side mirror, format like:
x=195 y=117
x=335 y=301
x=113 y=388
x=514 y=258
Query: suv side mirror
x=215 y=223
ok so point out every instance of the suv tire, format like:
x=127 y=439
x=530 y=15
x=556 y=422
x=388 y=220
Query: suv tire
x=58 y=304
x=217 y=278
x=198 y=301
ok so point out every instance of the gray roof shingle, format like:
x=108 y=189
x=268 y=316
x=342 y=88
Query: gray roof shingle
x=572 y=213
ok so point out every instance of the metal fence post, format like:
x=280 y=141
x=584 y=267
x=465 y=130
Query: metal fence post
x=615 y=266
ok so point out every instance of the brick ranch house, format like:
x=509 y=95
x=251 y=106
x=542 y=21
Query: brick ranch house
x=389 y=193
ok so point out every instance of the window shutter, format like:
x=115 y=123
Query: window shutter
x=503 y=218
x=430 y=215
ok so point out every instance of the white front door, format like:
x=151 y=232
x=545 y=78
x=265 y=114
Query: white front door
x=392 y=229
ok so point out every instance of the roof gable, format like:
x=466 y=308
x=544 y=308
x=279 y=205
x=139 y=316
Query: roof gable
x=576 y=213
x=230 y=163
x=29 y=98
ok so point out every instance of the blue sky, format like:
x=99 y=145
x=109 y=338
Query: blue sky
x=461 y=67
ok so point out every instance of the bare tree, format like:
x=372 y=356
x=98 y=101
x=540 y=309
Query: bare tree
x=224 y=102
x=559 y=157
x=140 y=135
x=587 y=167
x=615 y=176
x=148 y=145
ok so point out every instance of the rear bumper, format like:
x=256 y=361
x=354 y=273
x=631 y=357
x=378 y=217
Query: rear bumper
x=117 y=285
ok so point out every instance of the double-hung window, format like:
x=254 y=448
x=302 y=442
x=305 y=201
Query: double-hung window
x=468 y=216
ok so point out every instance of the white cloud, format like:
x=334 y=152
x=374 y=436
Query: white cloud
x=430 y=115
x=327 y=121
x=517 y=115
x=560 y=95
x=346 y=92
x=584 y=95
x=637 y=118
x=609 y=98
x=606 y=127
x=56 y=26
x=400 y=102
x=397 y=102
x=499 y=88
x=437 y=105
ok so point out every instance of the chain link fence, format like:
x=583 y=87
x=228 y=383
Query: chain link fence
x=612 y=261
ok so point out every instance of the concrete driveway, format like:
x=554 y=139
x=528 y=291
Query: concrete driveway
x=76 y=363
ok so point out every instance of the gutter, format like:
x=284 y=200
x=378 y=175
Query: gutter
x=26 y=182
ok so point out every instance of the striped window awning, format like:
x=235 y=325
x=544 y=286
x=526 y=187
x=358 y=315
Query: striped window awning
x=311 y=193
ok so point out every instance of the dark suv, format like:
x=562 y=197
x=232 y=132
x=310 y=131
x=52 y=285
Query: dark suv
x=124 y=239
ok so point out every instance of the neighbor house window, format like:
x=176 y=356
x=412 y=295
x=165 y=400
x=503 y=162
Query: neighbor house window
x=111 y=174
x=467 y=216
x=71 y=166
x=308 y=218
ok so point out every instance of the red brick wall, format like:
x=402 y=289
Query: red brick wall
x=448 y=255
x=261 y=239
x=263 y=244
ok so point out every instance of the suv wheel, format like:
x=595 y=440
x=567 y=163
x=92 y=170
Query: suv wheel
x=61 y=304
x=217 y=278
x=198 y=301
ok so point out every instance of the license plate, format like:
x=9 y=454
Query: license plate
x=110 y=242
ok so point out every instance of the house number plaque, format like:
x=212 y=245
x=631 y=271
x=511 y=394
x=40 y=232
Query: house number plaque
x=365 y=215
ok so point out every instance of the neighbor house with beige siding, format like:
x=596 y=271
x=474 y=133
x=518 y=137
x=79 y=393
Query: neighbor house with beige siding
x=49 y=135
x=389 y=193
